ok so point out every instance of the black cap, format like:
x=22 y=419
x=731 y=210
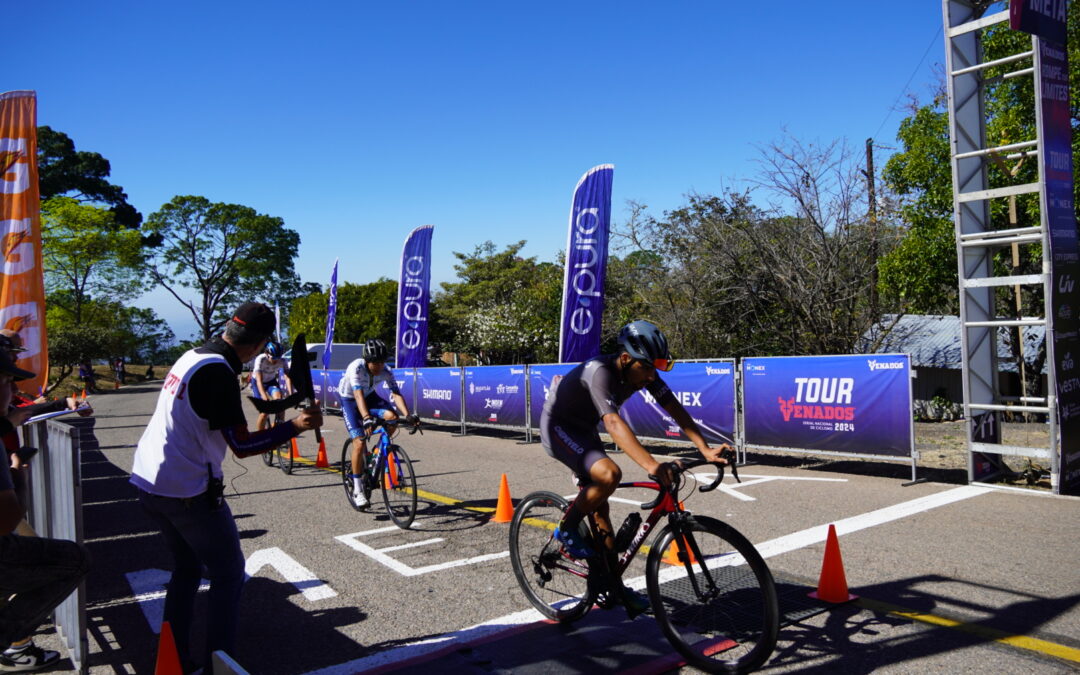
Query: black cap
x=8 y=366
x=256 y=317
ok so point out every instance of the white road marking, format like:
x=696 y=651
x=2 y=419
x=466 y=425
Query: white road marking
x=296 y=574
x=379 y=555
x=768 y=549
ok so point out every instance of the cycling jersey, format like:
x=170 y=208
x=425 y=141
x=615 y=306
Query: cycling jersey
x=356 y=376
x=266 y=368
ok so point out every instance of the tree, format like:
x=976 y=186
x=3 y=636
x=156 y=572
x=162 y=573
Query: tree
x=64 y=171
x=226 y=253
x=364 y=312
x=71 y=344
x=87 y=255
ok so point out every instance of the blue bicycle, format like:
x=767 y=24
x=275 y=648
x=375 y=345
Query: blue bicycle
x=388 y=468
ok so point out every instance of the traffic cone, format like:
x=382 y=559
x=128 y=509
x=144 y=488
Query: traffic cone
x=84 y=393
x=504 y=509
x=168 y=659
x=294 y=450
x=832 y=584
x=671 y=555
x=322 y=461
x=117 y=385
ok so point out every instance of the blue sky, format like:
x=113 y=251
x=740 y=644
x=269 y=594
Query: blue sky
x=358 y=121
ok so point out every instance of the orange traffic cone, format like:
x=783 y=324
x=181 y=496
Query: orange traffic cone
x=117 y=385
x=84 y=393
x=294 y=450
x=504 y=509
x=322 y=461
x=168 y=659
x=832 y=584
x=671 y=555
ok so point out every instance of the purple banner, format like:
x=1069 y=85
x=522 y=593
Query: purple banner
x=495 y=395
x=331 y=318
x=540 y=378
x=1045 y=18
x=706 y=390
x=413 y=298
x=586 y=263
x=858 y=404
x=438 y=393
x=1056 y=170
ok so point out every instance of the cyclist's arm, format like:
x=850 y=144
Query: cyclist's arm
x=624 y=437
x=361 y=404
x=288 y=383
x=259 y=386
x=399 y=401
x=690 y=428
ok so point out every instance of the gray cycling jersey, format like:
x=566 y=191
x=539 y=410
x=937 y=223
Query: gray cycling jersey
x=593 y=389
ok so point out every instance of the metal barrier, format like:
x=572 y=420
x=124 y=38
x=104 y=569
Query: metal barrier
x=55 y=511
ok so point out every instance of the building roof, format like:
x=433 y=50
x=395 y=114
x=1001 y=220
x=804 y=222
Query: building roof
x=933 y=341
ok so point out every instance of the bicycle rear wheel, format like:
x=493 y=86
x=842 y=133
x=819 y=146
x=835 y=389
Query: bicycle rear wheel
x=268 y=457
x=398 y=483
x=346 y=475
x=555 y=583
x=718 y=606
x=285 y=458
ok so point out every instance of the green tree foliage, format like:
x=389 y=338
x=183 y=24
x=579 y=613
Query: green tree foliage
x=62 y=170
x=87 y=255
x=225 y=253
x=135 y=333
x=364 y=312
x=504 y=309
x=71 y=343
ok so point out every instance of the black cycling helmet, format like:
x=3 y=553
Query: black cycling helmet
x=273 y=349
x=644 y=341
x=375 y=350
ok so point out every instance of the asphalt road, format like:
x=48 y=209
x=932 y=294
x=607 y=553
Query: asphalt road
x=950 y=578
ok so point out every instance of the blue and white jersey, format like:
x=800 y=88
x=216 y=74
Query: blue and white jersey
x=356 y=376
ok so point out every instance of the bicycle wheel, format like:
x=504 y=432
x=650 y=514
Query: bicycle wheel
x=556 y=584
x=346 y=475
x=285 y=458
x=398 y=484
x=268 y=457
x=719 y=608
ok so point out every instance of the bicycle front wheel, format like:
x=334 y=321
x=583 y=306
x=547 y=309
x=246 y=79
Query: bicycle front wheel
x=556 y=584
x=285 y=458
x=713 y=595
x=399 y=487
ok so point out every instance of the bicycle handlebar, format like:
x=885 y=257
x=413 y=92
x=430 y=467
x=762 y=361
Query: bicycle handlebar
x=679 y=468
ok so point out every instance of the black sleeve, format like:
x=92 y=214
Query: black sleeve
x=215 y=396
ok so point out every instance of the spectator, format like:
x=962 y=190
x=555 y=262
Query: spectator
x=39 y=572
x=119 y=370
x=177 y=470
x=150 y=372
x=86 y=374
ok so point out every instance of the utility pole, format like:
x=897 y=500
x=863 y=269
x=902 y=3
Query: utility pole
x=872 y=195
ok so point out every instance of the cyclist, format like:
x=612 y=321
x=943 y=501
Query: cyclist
x=267 y=373
x=360 y=403
x=590 y=393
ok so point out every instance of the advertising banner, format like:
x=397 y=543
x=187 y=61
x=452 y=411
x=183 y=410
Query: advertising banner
x=540 y=378
x=331 y=318
x=404 y=378
x=586 y=264
x=438 y=393
x=859 y=404
x=22 y=284
x=413 y=298
x=495 y=395
x=1039 y=17
x=706 y=390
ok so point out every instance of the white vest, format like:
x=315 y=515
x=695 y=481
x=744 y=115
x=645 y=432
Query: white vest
x=173 y=452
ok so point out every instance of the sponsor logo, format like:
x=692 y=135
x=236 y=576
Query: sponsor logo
x=885 y=365
x=636 y=542
x=819 y=398
x=493 y=403
x=570 y=443
x=1070 y=385
x=413 y=301
x=672 y=431
x=14 y=166
x=438 y=394
x=1065 y=312
x=687 y=398
x=493 y=417
x=709 y=370
x=582 y=277
x=478 y=388
x=1066 y=283
x=755 y=368
x=1067 y=362
x=455 y=373
x=517 y=371
x=24 y=319
x=16 y=246
x=509 y=389
x=438 y=413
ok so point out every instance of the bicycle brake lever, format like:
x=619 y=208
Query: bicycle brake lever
x=729 y=455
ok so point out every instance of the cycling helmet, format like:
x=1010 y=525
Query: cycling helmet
x=375 y=350
x=644 y=341
x=273 y=349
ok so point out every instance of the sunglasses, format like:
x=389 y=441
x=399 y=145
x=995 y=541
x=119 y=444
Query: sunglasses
x=663 y=365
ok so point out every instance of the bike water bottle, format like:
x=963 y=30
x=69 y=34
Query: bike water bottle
x=626 y=531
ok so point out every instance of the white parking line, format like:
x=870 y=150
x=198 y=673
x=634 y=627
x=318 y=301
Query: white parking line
x=379 y=554
x=768 y=549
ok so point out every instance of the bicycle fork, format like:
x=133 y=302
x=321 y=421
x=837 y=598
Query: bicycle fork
x=689 y=553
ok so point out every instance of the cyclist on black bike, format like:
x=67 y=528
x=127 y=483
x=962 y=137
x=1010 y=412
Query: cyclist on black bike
x=360 y=402
x=268 y=372
x=591 y=392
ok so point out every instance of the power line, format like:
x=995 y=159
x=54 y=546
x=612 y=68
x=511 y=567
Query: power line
x=903 y=89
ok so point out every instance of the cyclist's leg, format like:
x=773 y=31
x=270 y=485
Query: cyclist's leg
x=355 y=427
x=263 y=421
x=583 y=452
x=605 y=477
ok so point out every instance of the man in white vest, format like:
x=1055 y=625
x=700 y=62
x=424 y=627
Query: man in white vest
x=177 y=469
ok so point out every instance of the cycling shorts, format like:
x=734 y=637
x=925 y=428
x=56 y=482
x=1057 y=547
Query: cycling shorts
x=575 y=448
x=271 y=388
x=376 y=405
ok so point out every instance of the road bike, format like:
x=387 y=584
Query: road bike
x=283 y=452
x=388 y=468
x=709 y=588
